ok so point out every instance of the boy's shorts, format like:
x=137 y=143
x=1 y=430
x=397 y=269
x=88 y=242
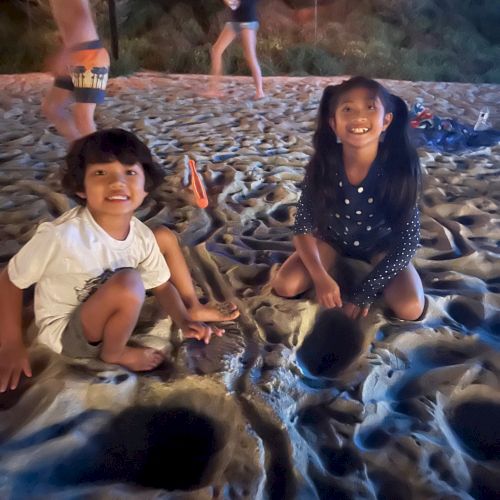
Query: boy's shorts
x=89 y=71
x=74 y=343
x=237 y=27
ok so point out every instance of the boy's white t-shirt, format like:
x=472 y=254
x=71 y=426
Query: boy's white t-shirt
x=67 y=259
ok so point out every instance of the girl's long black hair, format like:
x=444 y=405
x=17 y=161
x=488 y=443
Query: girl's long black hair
x=401 y=180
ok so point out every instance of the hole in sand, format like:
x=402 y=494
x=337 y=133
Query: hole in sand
x=465 y=313
x=333 y=344
x=174 y=448
x=466 y=220
x=282 y=213
x=485 y=483
x=340 y=462
x=476 y=424
x=494 y=325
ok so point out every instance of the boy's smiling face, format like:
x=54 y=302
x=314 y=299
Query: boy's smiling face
x=113 y=189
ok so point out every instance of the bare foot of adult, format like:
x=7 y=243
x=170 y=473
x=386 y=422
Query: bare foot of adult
x=225 y=311
x=137 y=359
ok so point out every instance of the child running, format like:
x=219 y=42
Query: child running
x=80 y=71
x=244 y=23
x=359 y=199
x=93 y=264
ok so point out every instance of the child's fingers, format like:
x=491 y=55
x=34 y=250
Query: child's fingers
x=4 y=381
x=207 y=338
x=193 y=334
x=27 y=368
x=338 y=300
x=16 y=375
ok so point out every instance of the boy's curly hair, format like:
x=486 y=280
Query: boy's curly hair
x=105 y=146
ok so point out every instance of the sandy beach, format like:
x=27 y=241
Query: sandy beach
x=292 y=402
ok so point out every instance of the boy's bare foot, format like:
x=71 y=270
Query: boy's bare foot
x=137 y=359
x=259 y=95
x=226 y=311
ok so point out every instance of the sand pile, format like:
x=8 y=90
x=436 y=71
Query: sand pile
x=291 y=402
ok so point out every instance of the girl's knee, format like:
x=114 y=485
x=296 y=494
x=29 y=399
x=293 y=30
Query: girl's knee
x=411 y=310
x=284 y=288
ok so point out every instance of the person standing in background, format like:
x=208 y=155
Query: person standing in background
x=80 y=70
x=244 y=23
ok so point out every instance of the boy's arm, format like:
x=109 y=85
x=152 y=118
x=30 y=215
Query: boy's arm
x=171 y=302
x=13 y=354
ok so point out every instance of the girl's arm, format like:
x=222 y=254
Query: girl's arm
x=399 y=256
x=327 y=289
x=307 y=247
x=13 y=354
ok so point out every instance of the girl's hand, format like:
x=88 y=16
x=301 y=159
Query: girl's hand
x=200 y=331
x=354 y=312
x=14 y=362
x=328 y=292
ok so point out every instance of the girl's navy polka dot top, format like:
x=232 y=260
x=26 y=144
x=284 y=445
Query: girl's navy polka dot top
x=357 y=228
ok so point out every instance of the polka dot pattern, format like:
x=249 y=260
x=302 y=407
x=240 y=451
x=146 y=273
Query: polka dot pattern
x=358 y=225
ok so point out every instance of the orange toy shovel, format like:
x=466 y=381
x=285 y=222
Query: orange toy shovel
x=196 y=185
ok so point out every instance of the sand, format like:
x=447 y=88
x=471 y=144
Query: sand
x=292 y=402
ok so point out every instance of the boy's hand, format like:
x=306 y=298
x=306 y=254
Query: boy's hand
x=200 y=331
x=13 y=362
x=328 y=292
x=354 y=312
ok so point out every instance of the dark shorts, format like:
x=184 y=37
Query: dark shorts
x=238 y=27
x=74 y=343
x=366 y=254
x=88 y=73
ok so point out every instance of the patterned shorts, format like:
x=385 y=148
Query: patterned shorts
x=88 y=72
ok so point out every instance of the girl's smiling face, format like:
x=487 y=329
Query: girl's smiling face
x=359 y=118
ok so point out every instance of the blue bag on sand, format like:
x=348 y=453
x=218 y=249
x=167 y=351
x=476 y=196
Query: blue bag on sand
x=447 y=135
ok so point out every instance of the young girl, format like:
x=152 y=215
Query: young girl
x=244 y=23
x=359 y=199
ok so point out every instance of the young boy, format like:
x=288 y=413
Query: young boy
x=80 y=69
x=92 y=265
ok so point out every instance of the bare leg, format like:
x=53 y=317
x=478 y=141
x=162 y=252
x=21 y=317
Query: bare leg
x=294 y=278
x=181 y=278
x=404 y=294
x=56 y=108
x=249 y=39
x=83 y=114
x=110 y=316
x=225 y=38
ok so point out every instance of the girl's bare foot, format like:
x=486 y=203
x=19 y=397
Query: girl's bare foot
x=226 y=311
x=212 y=94
x=137 y=359
x=259 y=95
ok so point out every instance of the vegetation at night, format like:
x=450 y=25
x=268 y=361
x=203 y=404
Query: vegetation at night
x=442 y=40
